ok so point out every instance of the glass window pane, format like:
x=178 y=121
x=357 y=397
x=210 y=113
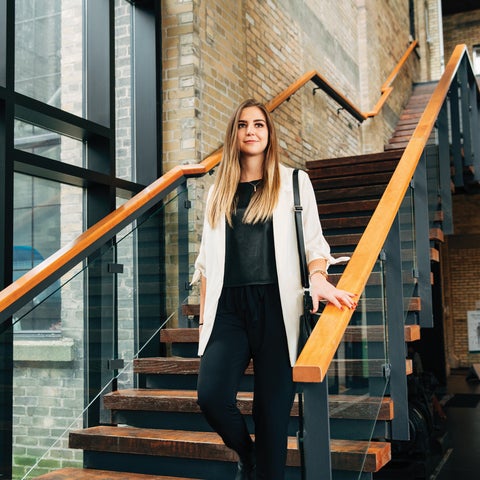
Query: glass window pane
x=123 y=89
x=47 y=215
x=49 y=52
x=476 y=59
x=49 y=144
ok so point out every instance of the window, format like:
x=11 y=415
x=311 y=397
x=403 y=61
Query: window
x=46 y=214
x=476 y=59
x=49 y=52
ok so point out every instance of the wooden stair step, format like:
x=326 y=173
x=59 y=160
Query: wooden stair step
x=185 y=401
x=355 y=160
x=397 y=145
x=190 y=366
x=345 y=171
x=407 y=121
x=352 y=333
x=410 y=116
x=346 y=454
x=322 y=182
x=359 y=221
x=327 y=209
x=346 y=239
x=355 y=192
x=92 y=474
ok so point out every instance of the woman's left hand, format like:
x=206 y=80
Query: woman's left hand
x=322 y=289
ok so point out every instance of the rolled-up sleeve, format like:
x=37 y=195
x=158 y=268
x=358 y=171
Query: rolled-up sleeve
x=201 y=261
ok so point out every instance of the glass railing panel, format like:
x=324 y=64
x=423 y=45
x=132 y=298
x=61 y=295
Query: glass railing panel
x=408 y=257
x=358 y=376
x=111 y=308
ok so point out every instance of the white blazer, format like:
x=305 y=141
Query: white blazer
x=211 y=258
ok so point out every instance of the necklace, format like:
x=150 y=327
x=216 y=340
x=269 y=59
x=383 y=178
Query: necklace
x=255 y=184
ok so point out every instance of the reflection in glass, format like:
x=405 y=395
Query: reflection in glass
x=49 y=52
x=47 y=215
x=49 y=144
x=123 y=89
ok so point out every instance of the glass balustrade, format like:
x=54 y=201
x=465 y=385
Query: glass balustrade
x=96 y=320
x=112 y=306
x=358 y=377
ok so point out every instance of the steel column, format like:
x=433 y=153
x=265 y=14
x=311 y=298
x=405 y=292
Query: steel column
x=466 y=120
x=444 y=170
x=422 y=242
x=317 y=431
x=396 y=333
x=456 y=133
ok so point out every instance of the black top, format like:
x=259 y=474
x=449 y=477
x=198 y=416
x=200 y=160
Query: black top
x=250 y=252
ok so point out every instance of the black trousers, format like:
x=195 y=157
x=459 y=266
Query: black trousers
x=249 y=325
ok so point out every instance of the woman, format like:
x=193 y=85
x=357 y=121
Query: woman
x=251 y=293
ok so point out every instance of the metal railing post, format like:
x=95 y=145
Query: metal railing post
x=422 y=242
x=456 y=133
x=444 y=169
x=396 y=333
x=317 y=431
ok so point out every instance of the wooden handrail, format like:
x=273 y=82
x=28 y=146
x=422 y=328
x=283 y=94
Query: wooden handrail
x=313 y=362
x=103 y=230
x=82 y=246
x=323 y=84
x=387 y=88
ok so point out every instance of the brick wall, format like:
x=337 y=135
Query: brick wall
x=219 y=52
x=428 y=29
x=461 y=263
x=461 y=28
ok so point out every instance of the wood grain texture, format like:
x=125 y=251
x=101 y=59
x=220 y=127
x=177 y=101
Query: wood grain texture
x=313 y=363
x=185 y=401
x=346 y=454
x=371 y=333
x=92 y=474
x=190 y=366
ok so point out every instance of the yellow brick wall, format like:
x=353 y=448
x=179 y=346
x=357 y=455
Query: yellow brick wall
x=461 y=254
x=463 y=295
x=462 y=250
x=461 y=28
x=218 y=52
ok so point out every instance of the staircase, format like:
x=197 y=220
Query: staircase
x=407 y=123
x=159 y=432
x=167 y=433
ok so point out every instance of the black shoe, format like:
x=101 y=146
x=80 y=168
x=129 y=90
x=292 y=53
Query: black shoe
x=245 y=472
x=246 y=468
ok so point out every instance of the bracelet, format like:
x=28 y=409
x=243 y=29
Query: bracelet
x=318 y=270
x=200 y=324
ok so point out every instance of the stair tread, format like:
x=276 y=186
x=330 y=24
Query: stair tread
x=410 y=116
x=352 y=333
x=341 y=406
x=354 y=159
x=346 y=454
x=87 y=474
x=190 y=366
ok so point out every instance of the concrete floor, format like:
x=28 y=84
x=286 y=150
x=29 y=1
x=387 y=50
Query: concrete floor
x=456 y=455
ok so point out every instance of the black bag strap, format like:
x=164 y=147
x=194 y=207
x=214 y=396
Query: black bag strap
x=299 y=227
x=307 y=302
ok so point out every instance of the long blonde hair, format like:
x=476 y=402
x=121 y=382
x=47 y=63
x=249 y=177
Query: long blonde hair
x=223 y=198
